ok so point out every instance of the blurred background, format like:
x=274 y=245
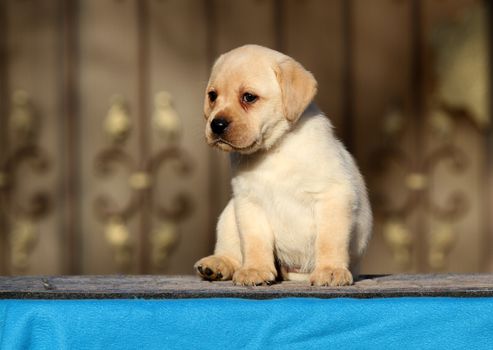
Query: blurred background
x=103 y=164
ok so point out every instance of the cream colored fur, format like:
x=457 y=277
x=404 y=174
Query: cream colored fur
x=299 y=206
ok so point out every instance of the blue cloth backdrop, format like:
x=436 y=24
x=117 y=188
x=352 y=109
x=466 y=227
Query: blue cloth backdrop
x=291 y=323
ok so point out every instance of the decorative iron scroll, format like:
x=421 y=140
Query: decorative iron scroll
x=461 y=47
x=142 y=182
x=23 y=150
x=417 y=187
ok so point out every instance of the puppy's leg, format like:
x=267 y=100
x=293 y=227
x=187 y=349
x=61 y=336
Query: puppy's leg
x=334 y=220
x=257 y=243
x=227 y=254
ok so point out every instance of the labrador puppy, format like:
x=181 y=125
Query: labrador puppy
x=299 y=209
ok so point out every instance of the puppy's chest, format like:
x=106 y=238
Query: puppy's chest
x=287 y=203
x=286 y=194
x=277 y=184
x=280 y=177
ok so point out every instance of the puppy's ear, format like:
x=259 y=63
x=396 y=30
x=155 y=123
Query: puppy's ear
x=298 y=88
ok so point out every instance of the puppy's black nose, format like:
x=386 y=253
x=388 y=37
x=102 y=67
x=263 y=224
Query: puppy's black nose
x=219 y=125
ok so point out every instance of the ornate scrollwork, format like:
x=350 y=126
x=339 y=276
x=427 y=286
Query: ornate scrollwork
x=166 y=119
x=416 y=185
x=143 y=181
x=22 y=216
x=461 y=63
x=117 y=123
x=181 y=204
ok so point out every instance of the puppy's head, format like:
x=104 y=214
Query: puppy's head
x=253 y=96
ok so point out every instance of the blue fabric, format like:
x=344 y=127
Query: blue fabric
x=291 y=323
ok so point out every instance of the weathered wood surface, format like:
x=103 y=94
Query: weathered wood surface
x=177 y=287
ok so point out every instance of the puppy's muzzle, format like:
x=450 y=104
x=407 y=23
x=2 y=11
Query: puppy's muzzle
x=219 y=125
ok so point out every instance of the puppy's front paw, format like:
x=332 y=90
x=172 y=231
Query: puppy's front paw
x=215 y=268
x=328 y=276
x=253 y=277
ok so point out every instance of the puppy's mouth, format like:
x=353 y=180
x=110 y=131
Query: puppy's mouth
x=228 y=146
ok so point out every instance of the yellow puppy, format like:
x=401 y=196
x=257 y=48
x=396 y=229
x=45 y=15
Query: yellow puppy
x=299 y=206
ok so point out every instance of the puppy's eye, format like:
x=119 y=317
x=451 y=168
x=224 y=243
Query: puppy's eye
x=212 y=96
x=249 y=98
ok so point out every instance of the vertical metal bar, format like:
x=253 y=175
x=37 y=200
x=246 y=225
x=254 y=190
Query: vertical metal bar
x=417 y=110
x=488 y=170
x=4 y=98
x=143 y=121
x=347 y=75
x=210 y=22
x=70 y=152
x=214 y=161
x=279 y=20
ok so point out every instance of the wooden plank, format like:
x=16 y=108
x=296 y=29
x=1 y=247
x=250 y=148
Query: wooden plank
x=183 y=287
x=106 y=68
x=4 y=108
x=320 y=19
x=379 y=86
x=178 y=64
x=32 y=62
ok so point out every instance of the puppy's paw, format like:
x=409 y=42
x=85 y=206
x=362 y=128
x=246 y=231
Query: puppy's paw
x=253 y=277
x=215 y=268
x=334 y=277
